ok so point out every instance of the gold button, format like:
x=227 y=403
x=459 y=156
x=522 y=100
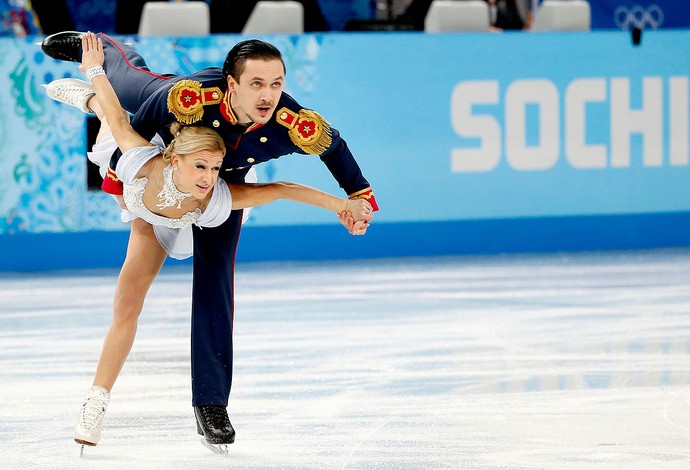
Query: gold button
x=216 y=123
x=263 y=139
x=250 y=160
x=215 y=95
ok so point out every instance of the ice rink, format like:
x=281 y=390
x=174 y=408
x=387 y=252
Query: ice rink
x=564 y=361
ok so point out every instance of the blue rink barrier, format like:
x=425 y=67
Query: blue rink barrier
x=405 y=239
x=473 y=143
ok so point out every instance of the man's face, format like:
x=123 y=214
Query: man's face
x=255 y=97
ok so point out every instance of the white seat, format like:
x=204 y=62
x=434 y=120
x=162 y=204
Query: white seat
x=457 y=15
x=175 y=19
x=562 y=15
x=275 y=17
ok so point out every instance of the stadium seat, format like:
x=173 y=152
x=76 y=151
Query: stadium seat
x=562 y=15
x=457 y=15
x=175 y=19
x=275 y=17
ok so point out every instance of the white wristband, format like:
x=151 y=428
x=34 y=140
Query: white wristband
x=94 y=72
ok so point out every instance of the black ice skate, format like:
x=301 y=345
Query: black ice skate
x=213 y=423
x=63 y=46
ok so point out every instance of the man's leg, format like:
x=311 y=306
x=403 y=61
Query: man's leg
x=127 y=71
x=212 y=311
x=212 y=318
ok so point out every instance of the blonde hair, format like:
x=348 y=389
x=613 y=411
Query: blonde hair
x=190 y=139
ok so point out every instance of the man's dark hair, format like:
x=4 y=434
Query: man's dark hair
x=250 y=49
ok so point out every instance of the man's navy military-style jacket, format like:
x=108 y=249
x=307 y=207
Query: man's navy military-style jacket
x=200 y=99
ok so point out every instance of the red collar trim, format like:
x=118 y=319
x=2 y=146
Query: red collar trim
x=229 y=115
x=226 y=109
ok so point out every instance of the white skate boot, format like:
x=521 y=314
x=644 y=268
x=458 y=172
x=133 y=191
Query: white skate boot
x=88 y=431
x=71 y=91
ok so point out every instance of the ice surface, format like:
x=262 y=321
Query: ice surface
x=504 y=362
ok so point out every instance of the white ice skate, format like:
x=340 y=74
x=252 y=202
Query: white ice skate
x=88 y=431
x=71 y=91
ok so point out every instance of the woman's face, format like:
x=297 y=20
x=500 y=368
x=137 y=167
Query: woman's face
x=197 y=172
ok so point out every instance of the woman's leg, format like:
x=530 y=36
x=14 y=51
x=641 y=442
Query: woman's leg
x=144 y=259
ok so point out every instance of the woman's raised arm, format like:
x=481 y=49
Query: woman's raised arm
x=92 y=64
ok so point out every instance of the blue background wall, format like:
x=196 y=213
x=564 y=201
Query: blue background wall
x=474 y=143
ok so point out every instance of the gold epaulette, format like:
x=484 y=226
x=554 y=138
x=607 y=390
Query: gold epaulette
x=308 y=129
x=186 y=100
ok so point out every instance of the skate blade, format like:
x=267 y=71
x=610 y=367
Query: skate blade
x=221 y=449
x=83 y=443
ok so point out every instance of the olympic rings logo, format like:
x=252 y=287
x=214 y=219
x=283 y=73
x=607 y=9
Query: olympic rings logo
x=638 y=17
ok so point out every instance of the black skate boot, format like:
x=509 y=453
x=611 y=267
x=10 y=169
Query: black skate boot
x=213 y=424
x=65 y=45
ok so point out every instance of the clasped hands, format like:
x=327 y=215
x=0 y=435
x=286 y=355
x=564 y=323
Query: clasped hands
x=357 y=216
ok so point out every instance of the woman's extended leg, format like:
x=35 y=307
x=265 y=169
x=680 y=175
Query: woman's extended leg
x=144 y=259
